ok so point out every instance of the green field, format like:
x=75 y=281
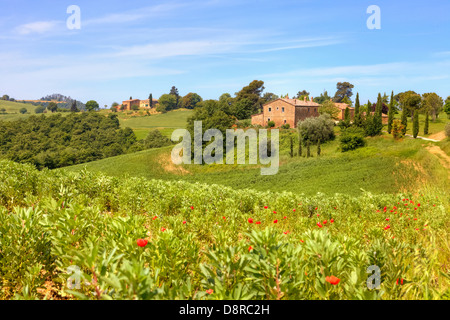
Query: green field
x=384 y=166
x=12 y=110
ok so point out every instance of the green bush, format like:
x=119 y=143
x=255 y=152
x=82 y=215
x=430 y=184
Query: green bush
x=285 y=126
x=155 y=139
x=316 y=128
x=351 y=139
x=271 y=124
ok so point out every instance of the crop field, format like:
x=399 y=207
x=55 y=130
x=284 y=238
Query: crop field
x=84 y=235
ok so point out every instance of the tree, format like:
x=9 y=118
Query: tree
x=433 y=103
x=2 y=111
x=391 y=113
x=174 y=92
x=23 y=110
x=357 y=119
x=397 y=129
x=351 y=139
x=135 y=107
x=253 y=93
x=301 y=94
x=308 y=150
x=328 y=107
x=315 y=128
x=190 y=100
x=410 y=101
x=92 y=105
x=39 y=109
x=416 y=124
x=291 y=153
x=346 y=100
x=300 y=142
x=269 y=96
x=404 y=121
x=427 y=120
x=344 y=89
x=242 y=109
x=167 y=102
x=377 y=123
x=318 y=147
x=447 y=107
x=73 y=107
x=155 y=139
x=5 y=97
x=322 y=98
x=52 y=107
x=150 y=100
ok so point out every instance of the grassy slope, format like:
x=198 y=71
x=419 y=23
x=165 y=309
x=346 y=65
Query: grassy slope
x=12 y=110
x=384 y=166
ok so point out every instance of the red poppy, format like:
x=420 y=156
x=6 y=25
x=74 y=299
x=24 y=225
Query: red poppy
x=418 y=204
x=258 y=222
x=384 y=208
x=142 y=242
x=155 y=217
x=250 y=220
x=332 y=280
x=325 y=221
x=163 y=229
x=275 y=212
x=265 y=207
x=209 y=291
x=302 y=241
x=250 y=248
x=387 y=219
x=395 y=208
x=286 y=232
x=192 y=207
x=284 y=217
x=224 y=218
x=275 y=221
x=293 y=210
x=316 y=208
x=184 y=222
x=332 y=220
x=319 y=225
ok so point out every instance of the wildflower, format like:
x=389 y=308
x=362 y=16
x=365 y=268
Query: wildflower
x=258 y=222
x=275 y=212
x=387 y=227
x=154 y=218
x=224 y=218
x=192 y=207
x=286 y=232
x=384 y=209
x=293 y=210
x=209 y=291
x=275 y=221
x=265 y=207
x=184 y=222
x=250 y=220
x=316 y=208
x=332 y=220
x=332 y=280
x=418 y=204
x=250 y=248
x=387 y=219
x=284 y=217
x=302 y=241
x=163 y=229
x=325 y=221
x=319 y=225
x=142 y=242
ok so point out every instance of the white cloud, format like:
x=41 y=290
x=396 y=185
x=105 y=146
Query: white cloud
x=39 y=27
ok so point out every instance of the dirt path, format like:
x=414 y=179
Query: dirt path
x=443 y=157
x=438 y=136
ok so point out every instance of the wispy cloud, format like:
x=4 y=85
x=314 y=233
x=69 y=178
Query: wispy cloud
x=38 y=27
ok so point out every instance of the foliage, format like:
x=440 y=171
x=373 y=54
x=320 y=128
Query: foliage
x=155 y=139
x=322 y=98
x=433 y=103
x=190 y=100
x=344 y=89
x=92 y=105
x=447 y=129
x=271 y=124
x=253 y=93
x=315 y=128
x=167 y=102
x=447 y=107
x=285 y=126
x=57 y=141
x=404 y=121
x=351 y=139
x=398 y=129
x=427 y=123
x=23 y=110
x=391 y=113
x=328 y=107
x=357 y=119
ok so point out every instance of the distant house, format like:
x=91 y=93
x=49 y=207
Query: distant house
x=342 y=107
x=286 y=111
x=127 y=104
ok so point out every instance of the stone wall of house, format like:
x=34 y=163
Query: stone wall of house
x=305 y=112
x=279 y=112
x=258 y=119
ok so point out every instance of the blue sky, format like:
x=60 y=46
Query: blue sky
x=133 y=48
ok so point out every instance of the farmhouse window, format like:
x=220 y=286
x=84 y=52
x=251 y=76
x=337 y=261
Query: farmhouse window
x=282 y=109
x=308 y=110
x=270 y=109
x=284 y=121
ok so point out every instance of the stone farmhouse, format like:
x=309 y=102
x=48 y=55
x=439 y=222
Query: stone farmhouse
x=127 y=104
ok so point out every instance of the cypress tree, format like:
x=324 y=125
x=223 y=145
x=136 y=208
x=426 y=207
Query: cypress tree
x=292 y=148
x=150 y=102
x=357 y=118
x=404 y=120
x=308 y=151
x=318 y=147
x=377 y=120
x=299 y=144
x=415 y=124
x=347 y=115
x=391 y=113
x=427 y=120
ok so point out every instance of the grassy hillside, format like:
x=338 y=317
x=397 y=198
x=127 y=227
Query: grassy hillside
x=384 y=166
x=12 y=110
x=142 y=124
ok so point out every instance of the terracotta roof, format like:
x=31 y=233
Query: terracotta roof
x=301 y=103
x=383 y=115
x=342 y=106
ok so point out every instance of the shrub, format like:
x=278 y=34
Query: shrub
x=315 y=128
x=351 y=139
x=39 y=109
x=397 y=129
x=23 y=110
x=285 y=126
x=155 y=139
x=271 y=124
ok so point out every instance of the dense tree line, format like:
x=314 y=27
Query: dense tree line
x=57 y=141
